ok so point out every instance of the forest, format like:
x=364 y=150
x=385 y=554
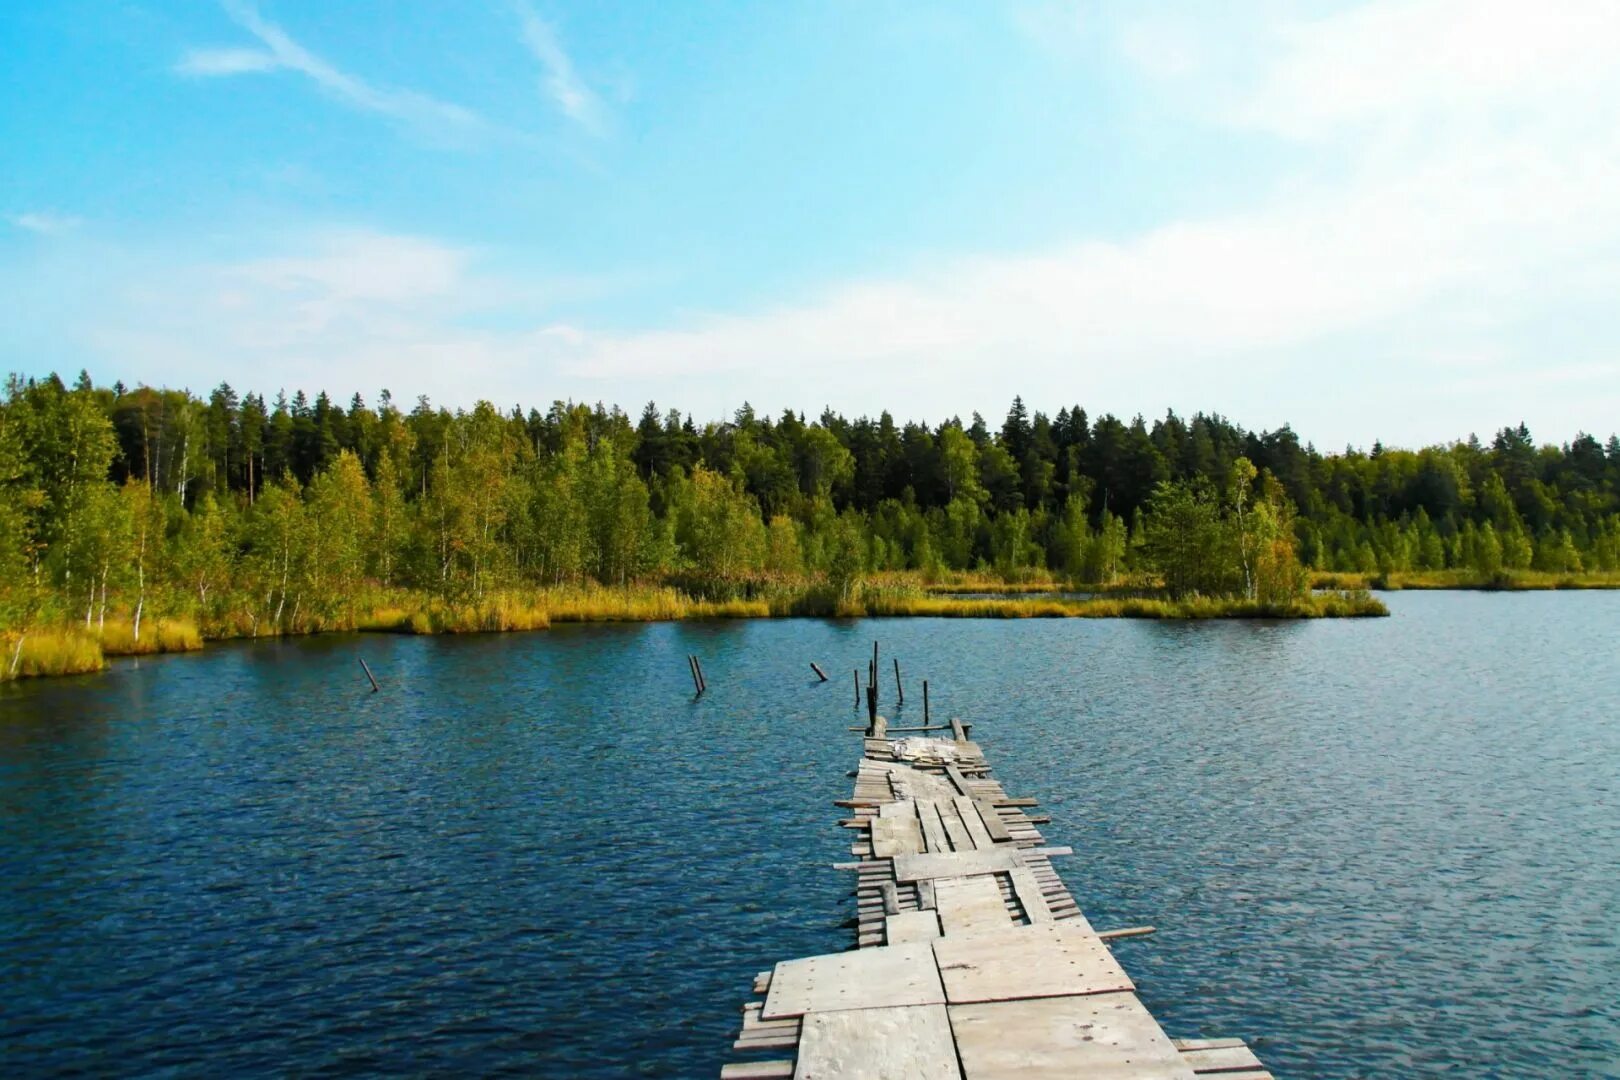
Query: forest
x=145 y=518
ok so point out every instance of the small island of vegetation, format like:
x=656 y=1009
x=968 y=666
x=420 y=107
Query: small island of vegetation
x=147 y=520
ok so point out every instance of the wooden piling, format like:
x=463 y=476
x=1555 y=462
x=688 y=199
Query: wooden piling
x=703 y=682
x=697 y=680
x=857 y=688
x=925 y=703
x=815 y=667
x=364 y=667
x=899 y=687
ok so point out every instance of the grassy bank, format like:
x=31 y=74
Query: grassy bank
x=1321 y=605
x=1501 y=581
x=73 y=650
x=67 y=650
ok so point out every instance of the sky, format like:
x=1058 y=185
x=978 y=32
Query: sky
x=1396 y=220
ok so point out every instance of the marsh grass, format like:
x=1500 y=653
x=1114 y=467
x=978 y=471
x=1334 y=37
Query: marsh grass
x=163 y=634
x=70 y=650
x=1500 y=581
x=1322 y=605
x=49 y=652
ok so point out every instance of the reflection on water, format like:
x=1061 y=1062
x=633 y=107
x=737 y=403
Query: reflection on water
x=1372 y=847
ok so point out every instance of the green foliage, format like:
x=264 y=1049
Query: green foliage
x=126 y=513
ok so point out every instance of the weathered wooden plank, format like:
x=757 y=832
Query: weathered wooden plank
x=954 y=864
x=1030 y=897
x=874 y=978
x=969 y=813
x=898 y=808
x=911 y=926
x=906 y=1043
x=757 y=1070
x=992 y=821
x=1103 y=1036
x=970 y=904
x=961 y=839
x=1206 y=1044
x=958 y=781
x=933 y=830
x=893 y=836
x=1043 y=960
x=1221 y=1059
x=891 y=898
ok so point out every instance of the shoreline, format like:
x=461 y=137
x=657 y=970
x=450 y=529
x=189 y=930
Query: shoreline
x=71 y=650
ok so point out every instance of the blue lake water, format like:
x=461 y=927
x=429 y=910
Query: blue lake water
x=1372 y=847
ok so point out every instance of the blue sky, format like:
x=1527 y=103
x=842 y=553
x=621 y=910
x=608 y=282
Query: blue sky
x=1393 y=220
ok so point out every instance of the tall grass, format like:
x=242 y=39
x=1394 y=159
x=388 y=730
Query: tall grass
x=546 y=607
x=61 y=650
x=1501 y=580
x=1325 y=605
x=49 y=652
x=163 y=634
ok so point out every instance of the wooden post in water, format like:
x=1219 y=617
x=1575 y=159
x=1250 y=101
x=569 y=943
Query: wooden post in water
x=697 y=680
x=925 y=703
x=369 y=675
x=898 y=685
x=815 y=667
x=703 y=683
x=857 y=688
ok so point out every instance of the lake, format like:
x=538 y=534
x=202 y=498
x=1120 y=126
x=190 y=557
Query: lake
x=1371 y=847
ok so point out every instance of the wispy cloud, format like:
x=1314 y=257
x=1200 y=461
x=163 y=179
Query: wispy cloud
x=279 y=52
x=45 y=222
x=562 y=83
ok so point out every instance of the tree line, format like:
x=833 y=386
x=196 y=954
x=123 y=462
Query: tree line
x=264 y=516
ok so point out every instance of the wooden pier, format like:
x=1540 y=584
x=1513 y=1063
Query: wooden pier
x=972 y=960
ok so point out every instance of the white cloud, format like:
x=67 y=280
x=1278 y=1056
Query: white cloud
x=1428 y=60
x=45 y=222
x=439 y=119
x=1444 y=265
x=213 y=62
x=562 y=83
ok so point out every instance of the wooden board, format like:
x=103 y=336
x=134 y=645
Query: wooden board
x=1043 y=960
x=933 y=829
x=961 y=839
x=954 y=864
x=969 y=813
x=905 y=1043
x=1101 y=1037
x=757 y=1070
x=1221 y=1059
x=893 y=836
x=992 y=821
x=909 y=926
x=1030 y=896
x=970 y=904
x=887 y=975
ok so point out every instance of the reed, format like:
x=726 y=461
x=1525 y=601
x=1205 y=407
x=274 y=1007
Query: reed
x=1500 y=581
x=165 y=634
x=1324 y=605
x=49 y=652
